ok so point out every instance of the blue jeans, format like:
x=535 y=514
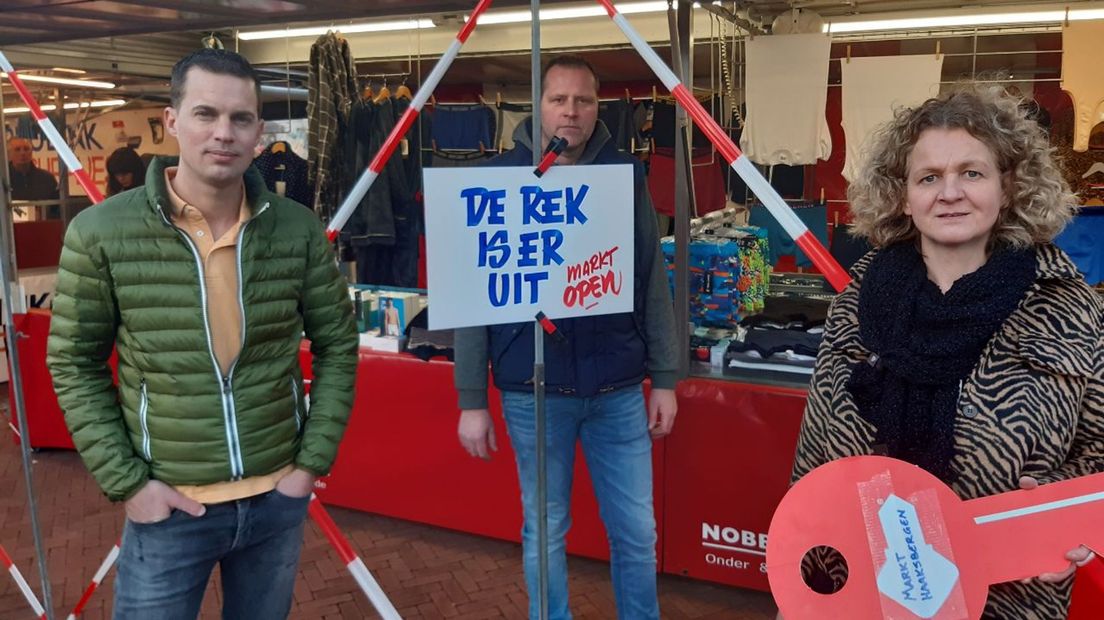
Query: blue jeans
x=613 y=428
x=164 y=566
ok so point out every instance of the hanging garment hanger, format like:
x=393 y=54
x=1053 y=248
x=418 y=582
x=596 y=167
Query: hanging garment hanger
x=383 y=95
x=278 y=147
x=403 y=92
x=1096 y=168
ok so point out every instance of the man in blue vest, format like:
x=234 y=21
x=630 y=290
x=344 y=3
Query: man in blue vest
x=594 y=392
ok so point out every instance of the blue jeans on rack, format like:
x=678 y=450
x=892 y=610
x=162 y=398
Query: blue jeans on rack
x=164 y=566
x=613 y=429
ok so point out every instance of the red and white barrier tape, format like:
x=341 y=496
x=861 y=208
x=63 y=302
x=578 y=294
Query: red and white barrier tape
x=28 y=594
x=739 y=162
x=51 y=132
x=97 y=579
x=355 y=565
x=368 y=177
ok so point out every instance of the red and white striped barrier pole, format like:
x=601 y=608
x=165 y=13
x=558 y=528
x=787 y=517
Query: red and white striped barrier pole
x=51 y=132
x=355 y=565
x=368 y=177
x=29 y=594
x=739 y=162
x=108 y=562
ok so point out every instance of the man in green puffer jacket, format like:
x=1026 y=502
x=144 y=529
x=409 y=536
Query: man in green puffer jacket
x=205 y=283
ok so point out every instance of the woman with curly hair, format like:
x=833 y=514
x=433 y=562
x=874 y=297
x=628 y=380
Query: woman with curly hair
x=967 y=344
x=125 y=170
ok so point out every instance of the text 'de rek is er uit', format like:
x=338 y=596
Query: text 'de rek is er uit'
x=504 y=244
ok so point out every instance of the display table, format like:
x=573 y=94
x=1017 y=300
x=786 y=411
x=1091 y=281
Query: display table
x=718 y=477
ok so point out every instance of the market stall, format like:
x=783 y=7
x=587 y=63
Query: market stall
x=738 y=278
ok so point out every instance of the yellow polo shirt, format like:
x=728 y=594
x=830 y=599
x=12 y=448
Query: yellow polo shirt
x=220 y=276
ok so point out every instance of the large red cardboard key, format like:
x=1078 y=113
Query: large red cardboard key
x=913 y=548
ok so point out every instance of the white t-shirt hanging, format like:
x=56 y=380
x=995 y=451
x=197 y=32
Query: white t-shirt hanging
x=1082 y=78
x=787 y=89
x=874 y=88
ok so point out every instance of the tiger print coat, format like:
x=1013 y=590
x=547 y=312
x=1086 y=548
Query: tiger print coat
x=1033 y=406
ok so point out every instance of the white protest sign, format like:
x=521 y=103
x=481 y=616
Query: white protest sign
x=504 y=244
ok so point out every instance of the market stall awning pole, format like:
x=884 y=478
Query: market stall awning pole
x=739 y=162
x=12 y=295
x=540 y=417
x=65 y=154
x=368 y=177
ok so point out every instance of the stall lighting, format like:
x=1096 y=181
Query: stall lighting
x=966 y=19
x=65 y=81
x=515 y=17
x=106 y=103
x=314 y=31
x=502 y=17
x=64 y=70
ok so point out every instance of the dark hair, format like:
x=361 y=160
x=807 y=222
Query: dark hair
x=570 y=61
x=121 y=161
x=221 y=62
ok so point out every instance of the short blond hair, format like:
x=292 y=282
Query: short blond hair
x=1038 y=202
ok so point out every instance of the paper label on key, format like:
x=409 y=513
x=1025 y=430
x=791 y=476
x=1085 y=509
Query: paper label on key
x=915 y=575
x=916 y=572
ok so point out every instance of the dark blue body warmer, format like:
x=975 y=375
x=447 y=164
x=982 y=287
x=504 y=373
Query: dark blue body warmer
x=601 y=353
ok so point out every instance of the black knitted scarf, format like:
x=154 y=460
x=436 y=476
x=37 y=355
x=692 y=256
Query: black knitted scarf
x=925 y=343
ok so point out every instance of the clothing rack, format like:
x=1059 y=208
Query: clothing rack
x=382 y=75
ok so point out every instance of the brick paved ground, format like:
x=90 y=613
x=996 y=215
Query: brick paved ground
x=426 y=571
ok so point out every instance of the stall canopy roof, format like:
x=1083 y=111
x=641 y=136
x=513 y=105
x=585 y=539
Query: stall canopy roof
x=42 y=21
x=134 y=43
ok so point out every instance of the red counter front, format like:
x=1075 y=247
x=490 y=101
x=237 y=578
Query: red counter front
x=400 y=457
x=728 y=466
x=45 y=424
x=718 y=477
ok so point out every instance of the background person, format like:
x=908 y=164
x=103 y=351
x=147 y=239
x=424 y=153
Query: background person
x=28 y=181
x=125 y=170
x=594 y=392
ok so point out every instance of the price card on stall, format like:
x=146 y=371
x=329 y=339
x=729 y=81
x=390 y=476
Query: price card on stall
x=504 y=244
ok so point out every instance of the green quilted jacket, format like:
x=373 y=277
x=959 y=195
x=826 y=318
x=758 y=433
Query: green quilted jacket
x=130 y=279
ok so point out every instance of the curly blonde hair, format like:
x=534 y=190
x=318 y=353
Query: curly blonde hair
x=1038 y=202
